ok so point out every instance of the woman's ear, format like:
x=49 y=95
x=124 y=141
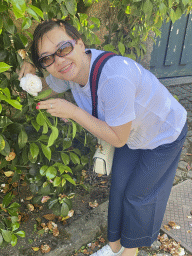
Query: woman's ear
x=81 y=43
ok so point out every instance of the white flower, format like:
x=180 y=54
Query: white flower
x=31 y=84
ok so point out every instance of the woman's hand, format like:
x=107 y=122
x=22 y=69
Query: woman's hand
x=58 y=107
x=26 y=68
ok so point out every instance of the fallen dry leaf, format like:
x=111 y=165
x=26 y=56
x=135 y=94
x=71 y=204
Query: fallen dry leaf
x=10 y=157
x=71 y=213
x=22 y=53
x=188 y=231
x=167 y=227
x=35 y=249
x=49 y=225
x=45 y=248
x=189 y=217
x=9 y=173
x=49 y=216
x=173 y=225
x=45 y=199
x=15 y=184
x=94 y=204
x=28 y=198
x=55 y=231
x=30 y=207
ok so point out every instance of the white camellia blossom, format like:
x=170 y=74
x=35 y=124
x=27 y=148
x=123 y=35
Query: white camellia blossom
x=31 y=84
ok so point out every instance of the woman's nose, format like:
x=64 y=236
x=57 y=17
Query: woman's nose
x=59 y=60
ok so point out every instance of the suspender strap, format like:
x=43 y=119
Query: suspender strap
x=94 y=78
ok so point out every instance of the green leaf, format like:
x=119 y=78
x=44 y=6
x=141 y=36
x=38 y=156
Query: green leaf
x=22 y=139
x=53 y=136
x=6 y=235
x=67 y=142
x=74 y=128
x=20 y=233
x=52 y=202
x=19 y=5
x=95 y=20
x=35 y=125
x=37 y=10
x=34 y=150
x=45 y=128
x=71 y=6
x=64 y=168
x=74 y=158
x=64 y=210
x=3 y=8
x=63 y=10
x=7 y=93
x=84 y=160
x=110 y=48
x=46 y=151
x=14 y=219
x=9 y=26
x=15 y=226
x=40 y=119
x=172 y=16
x=185 y=2
x=13 y=240
x=175 y=96
x=4 y=121
x=24 y=40
x=68 y=202
x=43 y=170
x=14 y=103
x=121 y=48
x=6 y=150
x=1 y=239
x=17 y=14
x=65 y=158
x=178 y=13
x=43 y=94
x=2 y=143
x=7 y=199
x=68 y=178
x=14 y=205
x=26 y=23
x=63 y=182
x=51 y=172
x=57 y=181
x=4 y=67
x=163 y=8
x=148 y=7
x=33 y=14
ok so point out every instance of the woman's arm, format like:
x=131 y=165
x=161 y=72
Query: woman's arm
x=116 y=135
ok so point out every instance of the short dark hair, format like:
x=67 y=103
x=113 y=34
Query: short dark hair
x=43 y=28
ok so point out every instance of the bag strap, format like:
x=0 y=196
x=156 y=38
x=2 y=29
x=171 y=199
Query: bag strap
x=94 y=78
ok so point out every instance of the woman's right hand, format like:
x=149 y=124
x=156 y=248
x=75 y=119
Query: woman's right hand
x=26 y=68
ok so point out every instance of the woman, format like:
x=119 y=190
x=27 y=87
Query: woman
x=136 y=114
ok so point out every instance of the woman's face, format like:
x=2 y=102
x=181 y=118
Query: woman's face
x=70 y=67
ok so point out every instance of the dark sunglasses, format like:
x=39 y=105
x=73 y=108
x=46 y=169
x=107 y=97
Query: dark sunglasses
x=62 y=51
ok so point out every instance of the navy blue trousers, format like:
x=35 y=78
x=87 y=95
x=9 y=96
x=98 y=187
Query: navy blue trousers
x=141 y=183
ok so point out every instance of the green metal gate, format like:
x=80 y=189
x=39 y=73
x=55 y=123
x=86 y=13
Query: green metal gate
x=172 y=53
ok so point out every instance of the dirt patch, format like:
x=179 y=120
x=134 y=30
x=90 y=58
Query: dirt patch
x=98 y=189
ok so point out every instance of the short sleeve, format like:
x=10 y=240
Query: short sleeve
x=118 y=96
x=56 y=84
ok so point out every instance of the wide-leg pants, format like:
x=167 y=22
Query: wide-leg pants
x=141 y=183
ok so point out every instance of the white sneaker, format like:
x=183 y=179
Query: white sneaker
x=107 y=251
